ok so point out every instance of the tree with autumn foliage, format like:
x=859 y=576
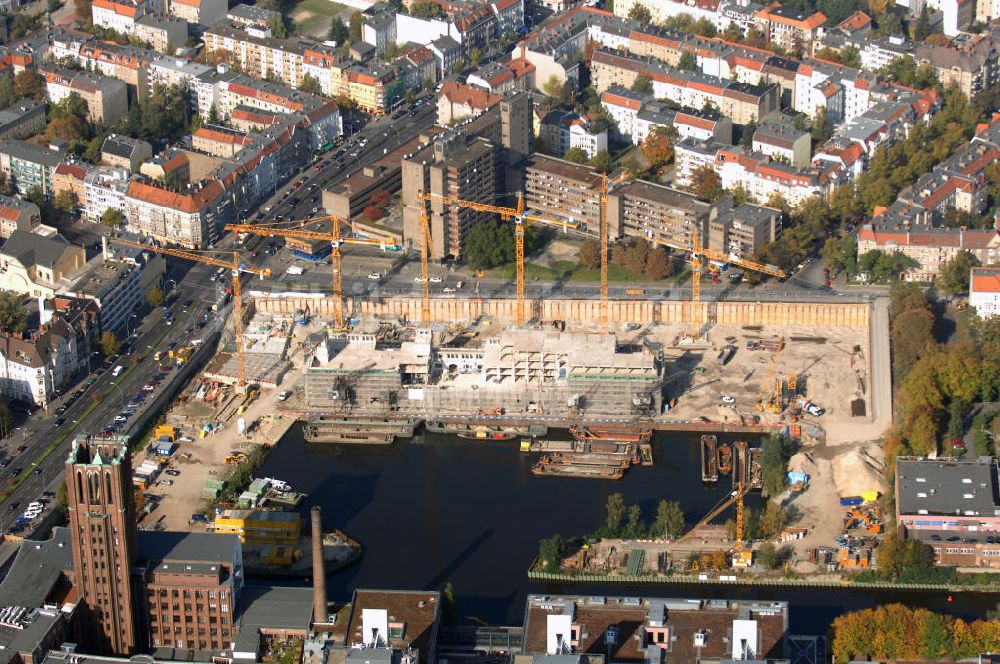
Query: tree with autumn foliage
x=658 y=147
x=706 y=184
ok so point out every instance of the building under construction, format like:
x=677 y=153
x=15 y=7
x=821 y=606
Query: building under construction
x=529 y=372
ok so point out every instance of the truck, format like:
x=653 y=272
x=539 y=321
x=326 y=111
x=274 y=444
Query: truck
x=295 y=269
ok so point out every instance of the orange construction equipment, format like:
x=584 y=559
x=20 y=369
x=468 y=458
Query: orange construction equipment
x=517 y=215
x=235 y=266
x=870 y=523
x=336 y=238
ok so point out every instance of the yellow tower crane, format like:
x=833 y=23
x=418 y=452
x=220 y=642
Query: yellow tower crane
x=517 y=215
x=236 y=267
x=295 y=229
x=603 y=241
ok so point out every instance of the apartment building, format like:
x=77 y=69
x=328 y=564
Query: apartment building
x=69 y=176
x=501 y=77
x=38 y=266
x=251 y=16
x=457 y=101
x=656 y=213
x=126 y=63
x=17 y=215
x=951 y=505
x=24 y=118
x=106 y=98
x=200 y=13
x=563 y=191
x=259 y=56
x=27 y=165
x=163 y=33
x=984 y=291
x=929 y=247
x=794 y=31
x=187 y=219
x=973 y=66
x=219 y=141
x=104 y=189
x=117 y=16
x=784 y=144
x=455 y=163
x=663 y=9
x=125 y=152
x=636 y=115
x=168 y=71
x=742 y=230
x=446 y=52
x=762 y=178
x=740 y=102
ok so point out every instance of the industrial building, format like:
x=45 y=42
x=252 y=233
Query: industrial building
x=520 y=371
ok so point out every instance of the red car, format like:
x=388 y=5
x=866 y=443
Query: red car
x=21 y=448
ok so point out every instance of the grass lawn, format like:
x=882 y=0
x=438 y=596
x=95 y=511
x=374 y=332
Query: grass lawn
x=320 y=7
x=616 y=273
x=532 y=272
x=313 y=17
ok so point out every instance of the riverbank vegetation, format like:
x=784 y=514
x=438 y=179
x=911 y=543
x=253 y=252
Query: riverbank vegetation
x=897 y=632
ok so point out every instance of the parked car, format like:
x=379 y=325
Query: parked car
x=167 y=482
x=172 y=472
x=198 y=518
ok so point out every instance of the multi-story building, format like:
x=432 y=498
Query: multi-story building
x=22 y=119
x=17 y=215
x=783 y=143
x=199 y=13
x=27 y=165
x=664 y=9
x=455 y=163
x=125 y=152
x=117 y=16
x=562 y=131
x=259 y=56
x=656 y=213
x=930 y=248
x=126 y=63
x=106 y=98
x=984 y=291
x=457 y=101
x=163 y=33
x=794 y=31
x=973 y=67
x=379 y=30
x=219 y=141
x=951 y=504
x=260 y=526
x=563 y=191
x=104 y=189
x=36 y=265
x=252 y=16
x=187 y=219
x=742 y=230
x=69 y=176
x=447 y=52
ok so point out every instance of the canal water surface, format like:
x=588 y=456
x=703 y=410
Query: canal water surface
x=440 y=509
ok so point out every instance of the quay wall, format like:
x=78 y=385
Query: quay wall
x=847 y=315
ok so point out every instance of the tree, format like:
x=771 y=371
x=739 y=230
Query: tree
x=822 y=128
x=669 y=520
x=773 y=520
x=489 y=244
x=355 y=27
x=706 y=184
x=425 y=10
x=154 y=296
x=633 y=527
x=601 y=161
x=338 y=31
x=658 y=264
x=28 y=83
x=373 y=212
x=767 y=556
x=24 y=23
x=641 y=13
x=746 y=140
x=83 y=9
x=643 y=83
x=112 y=218
x=474 y=57
x=953 y=278
x=13 y=317
x=774 y=456
x=110 y=344
x=550 y=553
x=576 y=155
x=65 y=201
x=688 y=61
x=277 y=26
x=449 y=608
x=590 y=254
x=36 y=196
x=922 y=28
x=615 y=514
x=658 y=146
x=310 y=84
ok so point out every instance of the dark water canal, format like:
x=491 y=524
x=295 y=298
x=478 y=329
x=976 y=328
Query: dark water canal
x=440 y=509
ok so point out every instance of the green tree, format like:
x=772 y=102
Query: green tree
x=154 y=296
x=634 y=527
x=355 y=27
x=576 y=155
x=112 y=218
x=822 y=127
x=643 y=83
x=489 y=244
x=13 y=316
x=550 y=553
x=601 y=161
x=688 y=61
x=425 y=10
x=641 y=13
x=7 y=94
x=110 y=344
x=746 y=140
x=65 y=201
x=774 y=455
x=773 y=520
x=767 y=556
x=36 y=196
x=338 y=31
x=474 y=57
x=615 y=514
x=590 y=254
x=669 y=520
x=920 y=30
x=954 y=276
x=277 y=26
x=449 y=608
x=309 y=84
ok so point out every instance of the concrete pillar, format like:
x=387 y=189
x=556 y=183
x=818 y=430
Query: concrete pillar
x=319 y=567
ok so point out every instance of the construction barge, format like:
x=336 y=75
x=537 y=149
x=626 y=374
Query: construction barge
x=358 y=430
x=492 y=431
x=592 y=453
x=709 y=459
x=279 y=561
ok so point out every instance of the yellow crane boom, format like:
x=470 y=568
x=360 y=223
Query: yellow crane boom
x=603 y=241
x=295 y=229
x=234 y=265
x=517 y=215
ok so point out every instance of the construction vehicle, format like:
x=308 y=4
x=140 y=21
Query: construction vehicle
x=296 y=229
x=236 y=458
x=517 y=215
x=235 y=266
x=771 y=391
x=865 y=519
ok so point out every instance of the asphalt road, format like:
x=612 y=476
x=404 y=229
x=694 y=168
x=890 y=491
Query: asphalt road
x=149 y=333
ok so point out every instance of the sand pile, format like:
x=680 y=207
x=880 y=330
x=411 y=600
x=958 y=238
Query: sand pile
x=855 y=472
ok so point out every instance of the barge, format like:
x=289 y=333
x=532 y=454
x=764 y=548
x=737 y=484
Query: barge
x=492 y=431
x=550 y=467
x=623 y=435
x=709 y=459
x=725 y=464
x=358 y=431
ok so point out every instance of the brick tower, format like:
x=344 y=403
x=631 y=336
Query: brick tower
x=103 y=531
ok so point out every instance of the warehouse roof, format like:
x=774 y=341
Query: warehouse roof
x=947 y=487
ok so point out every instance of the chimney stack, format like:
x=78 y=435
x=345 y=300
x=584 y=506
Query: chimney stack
x=105 y=249
x=319 y=568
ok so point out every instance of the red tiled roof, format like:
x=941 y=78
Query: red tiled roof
x=72 y=170
x=116 y=7
x=969 y=239
x=986 y=280
x=694 y=121
x=457 y=93
x=812 y=22
x=856 y=21
x=189 y=203
x=619 y=100
x=520 y=67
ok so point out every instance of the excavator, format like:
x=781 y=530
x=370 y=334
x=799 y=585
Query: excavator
x=856 y=518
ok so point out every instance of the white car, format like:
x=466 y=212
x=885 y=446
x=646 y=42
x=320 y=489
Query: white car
x=167 y=482
x=436 y=280
x=813 y=409
x=120 y=418
x=418 y=280
x=447 y=289
x=186 y=439
x=284 y=394
x=728 y=399
x=374 y=276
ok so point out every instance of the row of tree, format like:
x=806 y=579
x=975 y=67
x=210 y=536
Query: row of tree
x=898 y=632
x=637 y=257
x=628 y=522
